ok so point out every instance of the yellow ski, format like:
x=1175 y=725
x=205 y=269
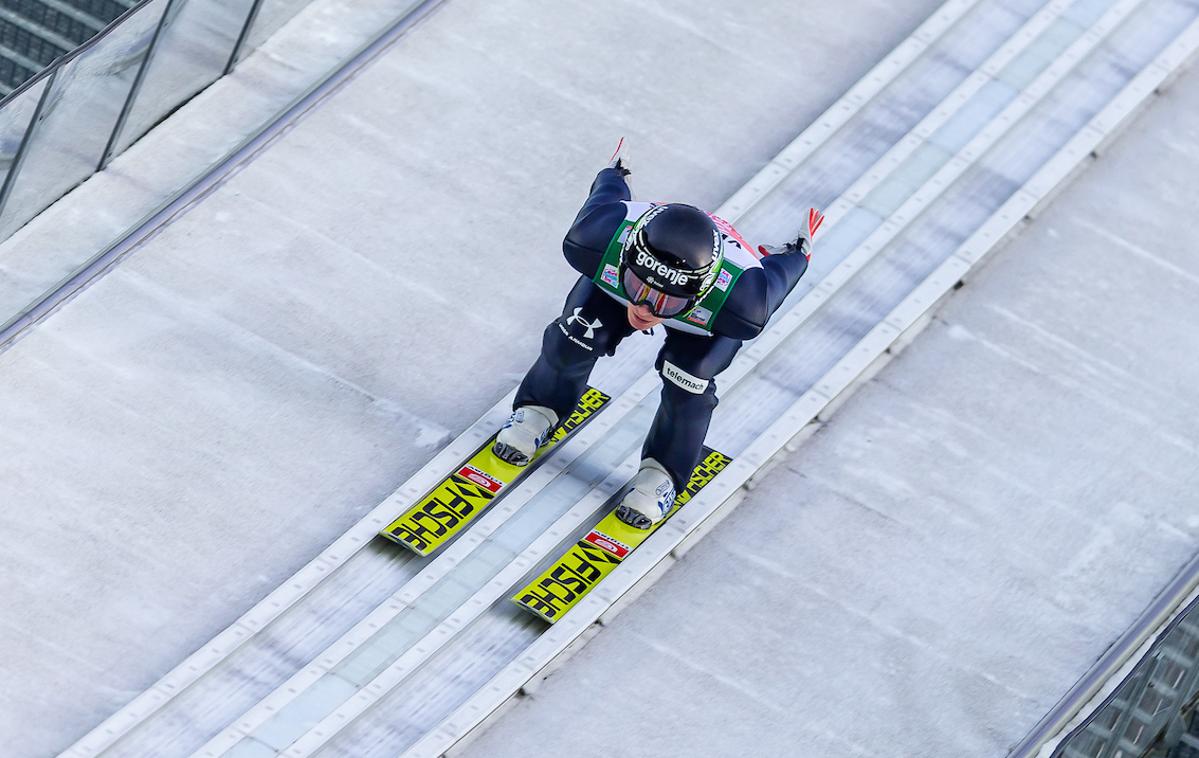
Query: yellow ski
x=477 y=483
x=568 y=579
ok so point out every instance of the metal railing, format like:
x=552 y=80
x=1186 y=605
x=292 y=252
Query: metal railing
x=71 y=119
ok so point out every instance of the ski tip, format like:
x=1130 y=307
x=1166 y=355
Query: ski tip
x=519 y=603
x=390 y=536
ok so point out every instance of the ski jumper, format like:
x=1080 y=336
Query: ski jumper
x=700 y=343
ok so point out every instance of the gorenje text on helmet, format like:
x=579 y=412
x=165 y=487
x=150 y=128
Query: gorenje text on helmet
x=675 y=276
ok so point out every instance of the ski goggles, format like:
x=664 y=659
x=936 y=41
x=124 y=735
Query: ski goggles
x=659 y=303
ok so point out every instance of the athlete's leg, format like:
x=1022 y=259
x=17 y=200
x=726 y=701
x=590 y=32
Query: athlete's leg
x=592 y=324
x=688 y=364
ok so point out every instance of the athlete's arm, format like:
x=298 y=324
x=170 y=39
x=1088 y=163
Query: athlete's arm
x=608 y=188
x=783 y=272
x=597 y=221
x=757 y=294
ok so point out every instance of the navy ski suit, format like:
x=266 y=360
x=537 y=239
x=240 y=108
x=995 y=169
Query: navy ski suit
x=593 y=324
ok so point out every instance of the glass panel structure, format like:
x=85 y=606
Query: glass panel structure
x=34 y=33
x=118 y=86
x=87 y=97
x=193 y=48
x=271 y=15
x=14 y=121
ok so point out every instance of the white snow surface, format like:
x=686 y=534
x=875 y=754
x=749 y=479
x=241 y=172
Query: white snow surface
x=957 y=545
x=194 y=427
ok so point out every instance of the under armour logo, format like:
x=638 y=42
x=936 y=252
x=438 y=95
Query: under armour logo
x=591 y=325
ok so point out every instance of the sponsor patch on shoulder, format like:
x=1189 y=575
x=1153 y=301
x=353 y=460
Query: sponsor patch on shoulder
x=722 y=281
x=610 y=276
x=689 y=382
x=699 y=316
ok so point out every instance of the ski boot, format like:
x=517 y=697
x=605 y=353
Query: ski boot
x=650 y=499
x=527 y=429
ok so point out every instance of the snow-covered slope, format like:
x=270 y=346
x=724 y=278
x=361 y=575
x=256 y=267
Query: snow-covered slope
x=194 y=427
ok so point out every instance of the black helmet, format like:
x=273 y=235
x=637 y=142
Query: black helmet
x=676 y=249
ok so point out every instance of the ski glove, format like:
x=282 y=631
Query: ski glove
x=803 y=243
x=620 y=159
